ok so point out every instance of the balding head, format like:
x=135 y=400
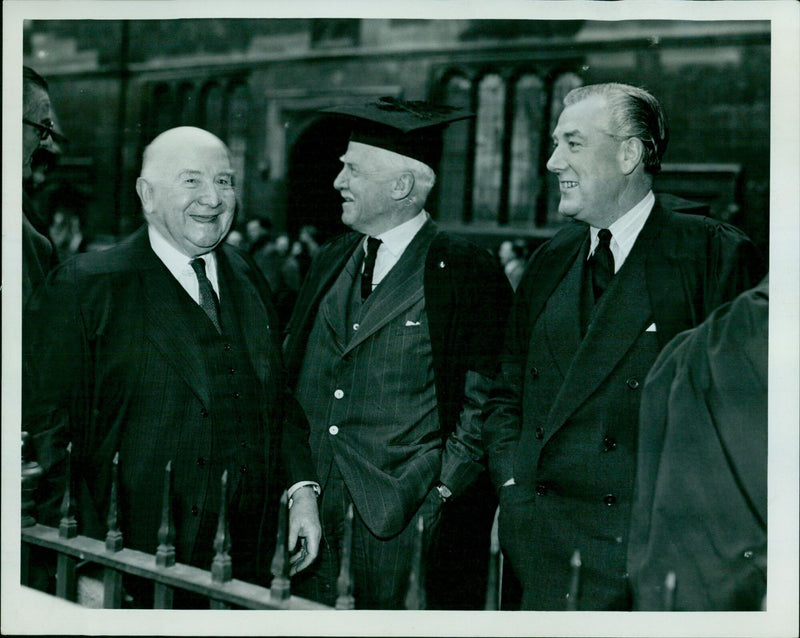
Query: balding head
x=169 y=147
x=186 y=189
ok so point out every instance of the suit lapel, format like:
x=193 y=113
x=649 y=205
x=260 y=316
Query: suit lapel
x=620 y=318
x=564 y=336
x=335 y=305
x=167 y=324
x=402 y=287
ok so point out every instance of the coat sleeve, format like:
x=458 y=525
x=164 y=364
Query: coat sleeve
x=483 y=301
x=700 y=504
x=502 y=412
x=54 y=371
x=734 y=266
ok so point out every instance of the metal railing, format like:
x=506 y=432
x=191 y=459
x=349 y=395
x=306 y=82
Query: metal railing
x=216 y=584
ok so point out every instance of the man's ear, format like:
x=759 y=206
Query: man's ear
x=631 y=154
x=145 y=192
x=402 y=186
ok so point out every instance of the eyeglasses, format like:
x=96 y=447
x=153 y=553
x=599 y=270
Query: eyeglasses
x=45 y=130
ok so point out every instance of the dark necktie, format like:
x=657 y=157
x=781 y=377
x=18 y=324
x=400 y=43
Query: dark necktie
x=602 y=264
x=369 y=267
x=208 y=298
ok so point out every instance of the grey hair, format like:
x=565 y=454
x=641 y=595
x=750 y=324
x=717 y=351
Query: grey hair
x=424 y=177
x=633 y=112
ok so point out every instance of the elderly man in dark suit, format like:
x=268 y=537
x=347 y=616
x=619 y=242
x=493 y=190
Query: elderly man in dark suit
x=596 y=304
x=390 y=350
x=164 y=348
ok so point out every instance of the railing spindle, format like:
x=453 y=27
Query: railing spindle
x=68 y=526
x=494 y=581
x=669 y=591
x=165 y=554
x=344 y=583
x=114 y=535
x=222 y=565
x=31 y=472
x=279 y=589
x=66 y=578
x=112 y=579
x=575 y=581
x=416 y=596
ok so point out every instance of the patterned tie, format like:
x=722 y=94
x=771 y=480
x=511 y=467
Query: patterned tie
x=208 y=298
x=369 y=267
x=602 y=264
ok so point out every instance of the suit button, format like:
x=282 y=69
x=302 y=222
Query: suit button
x=333 y=430
x=610 y=499
x=236 y=395
x=541 y=489
x=534 y=372
x=748 y=554
x=539 y=433
x=338 y=394
x=243 y=443
x=633 y=383
x=203 y=412
x=243 y=468
x=356 y=326
x=232 y=370
x=227 y=347
x=201 y=461
x=609 y=443
x=195 y=510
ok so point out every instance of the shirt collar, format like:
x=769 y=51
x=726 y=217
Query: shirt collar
x=626 y=229
x=175 y=261
x=398 y=238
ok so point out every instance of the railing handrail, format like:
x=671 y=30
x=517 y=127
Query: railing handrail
x=179 y=576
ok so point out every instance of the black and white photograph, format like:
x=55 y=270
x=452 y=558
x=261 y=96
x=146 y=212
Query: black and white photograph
x=367 y=320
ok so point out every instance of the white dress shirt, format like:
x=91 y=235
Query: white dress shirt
x=178 y=264
x=393 y=244
x=625 y=230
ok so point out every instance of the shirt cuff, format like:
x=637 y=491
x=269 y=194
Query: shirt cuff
x=510 y=481
x=293 y=489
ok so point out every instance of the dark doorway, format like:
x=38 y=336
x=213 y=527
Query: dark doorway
x=313 y=165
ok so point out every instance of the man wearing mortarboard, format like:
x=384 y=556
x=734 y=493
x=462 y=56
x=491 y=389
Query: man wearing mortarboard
x=390 y=351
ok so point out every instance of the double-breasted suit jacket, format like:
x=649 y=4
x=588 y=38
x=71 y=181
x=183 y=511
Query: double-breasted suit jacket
x=562 y=417
x=119 y=358
x=445 y=297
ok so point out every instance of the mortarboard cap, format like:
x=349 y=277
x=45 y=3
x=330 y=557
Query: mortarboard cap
x=411 y=128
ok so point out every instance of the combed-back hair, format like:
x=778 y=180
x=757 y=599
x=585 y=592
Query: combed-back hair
x=633 y=112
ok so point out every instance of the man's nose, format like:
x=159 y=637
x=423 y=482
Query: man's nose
x=340 y=182
x=210 y=196
x=555 y=163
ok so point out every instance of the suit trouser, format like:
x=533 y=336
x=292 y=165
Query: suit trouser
x=380 y=567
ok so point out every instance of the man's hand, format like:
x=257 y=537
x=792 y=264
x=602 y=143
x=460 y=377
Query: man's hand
x=303 y=525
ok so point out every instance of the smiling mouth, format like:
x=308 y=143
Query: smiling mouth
x=204 y=219
x=568 y=185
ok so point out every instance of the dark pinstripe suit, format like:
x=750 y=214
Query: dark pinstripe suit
x=119 y=357
x=380 y=398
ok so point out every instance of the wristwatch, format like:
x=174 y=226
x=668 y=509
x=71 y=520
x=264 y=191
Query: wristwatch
x=444 y=492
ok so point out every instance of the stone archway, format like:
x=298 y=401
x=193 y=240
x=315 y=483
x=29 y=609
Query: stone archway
x=313 y=164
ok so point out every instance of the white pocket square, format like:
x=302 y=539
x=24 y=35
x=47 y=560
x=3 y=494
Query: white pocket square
x=651 y=328
x=412 y=323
